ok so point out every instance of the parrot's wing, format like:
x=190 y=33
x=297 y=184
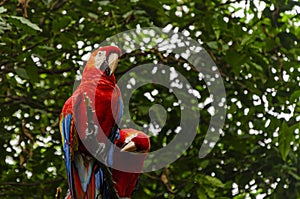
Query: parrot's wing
x=81 y=168
x=104 y=180
x=65 y=130
x=87 y=177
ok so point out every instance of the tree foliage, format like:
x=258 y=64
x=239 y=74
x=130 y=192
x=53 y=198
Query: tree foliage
x=255 y=45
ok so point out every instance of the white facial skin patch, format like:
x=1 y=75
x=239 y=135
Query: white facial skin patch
x=128 y=139
x=99 y=59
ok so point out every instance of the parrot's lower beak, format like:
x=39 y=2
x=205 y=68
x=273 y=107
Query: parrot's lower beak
x=130 y=147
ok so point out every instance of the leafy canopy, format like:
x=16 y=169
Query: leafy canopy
x=255 y=45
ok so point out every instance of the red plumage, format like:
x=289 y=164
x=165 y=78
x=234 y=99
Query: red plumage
x=103 y=93
x=97 y=103
x=99 y=94
x=126 y=181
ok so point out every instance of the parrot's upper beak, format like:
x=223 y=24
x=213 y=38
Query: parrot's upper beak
x=113 y=62
x=130 y=147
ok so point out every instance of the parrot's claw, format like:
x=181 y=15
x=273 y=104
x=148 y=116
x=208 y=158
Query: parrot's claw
x=130 y=147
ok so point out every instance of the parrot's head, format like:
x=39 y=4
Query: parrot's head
x=105 y=59
x=132 y=140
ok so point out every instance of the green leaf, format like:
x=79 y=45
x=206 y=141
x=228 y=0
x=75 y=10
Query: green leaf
x=214 y=181
x=247 y=39
x=44 y=47
x=217 y=32
x=32 y=73
x=295 y=96
x=285 y=138
x=25 y=24
x=256 y=66
x=61 y=23
x=204 y=164
x=210 y=192
x=4 y=25
x=213 y=45
x=104 y=3
x=147 y=191
x=236 y=60
x=22 y=73
x=295 y=175
x=93 y=15
x=201 y=193
x=249 y=54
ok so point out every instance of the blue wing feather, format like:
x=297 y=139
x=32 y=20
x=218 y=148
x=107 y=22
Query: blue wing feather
x=65 y=127
x=99 y=181
x=84 y=166
x=115 y=134
x=120 y=110
x=85 y=171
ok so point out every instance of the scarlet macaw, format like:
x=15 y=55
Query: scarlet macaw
x=96 y=104
x=130 y=140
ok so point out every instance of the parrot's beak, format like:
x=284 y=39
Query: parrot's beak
x=113 y=62
x=130 y=147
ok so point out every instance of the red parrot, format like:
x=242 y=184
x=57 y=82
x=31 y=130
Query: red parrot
x=130 y=140
x=92 y=112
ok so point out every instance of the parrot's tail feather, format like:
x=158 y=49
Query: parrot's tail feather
x=110 y=182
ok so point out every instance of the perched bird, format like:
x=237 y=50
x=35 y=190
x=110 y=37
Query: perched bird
x=92 y=112
x=130 y=140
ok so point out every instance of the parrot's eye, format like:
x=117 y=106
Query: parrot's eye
x=100 y=59
x=101 y=53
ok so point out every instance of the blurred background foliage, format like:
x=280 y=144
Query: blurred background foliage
x=255 y=45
